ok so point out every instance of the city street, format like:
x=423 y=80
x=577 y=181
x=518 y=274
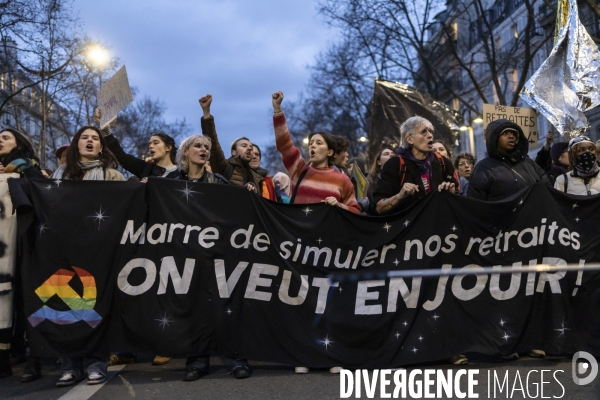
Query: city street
x=272 y=381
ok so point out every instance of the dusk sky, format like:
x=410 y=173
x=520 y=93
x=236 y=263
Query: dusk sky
x=239 y=51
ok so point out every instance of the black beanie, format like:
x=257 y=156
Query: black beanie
x=556 y=150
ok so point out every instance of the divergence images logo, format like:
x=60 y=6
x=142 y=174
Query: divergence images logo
x=81 y=308
x=587 y=365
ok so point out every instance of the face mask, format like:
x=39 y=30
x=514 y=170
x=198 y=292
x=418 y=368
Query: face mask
x=586 y=165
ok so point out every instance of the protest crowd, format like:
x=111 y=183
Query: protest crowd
x=397 y=178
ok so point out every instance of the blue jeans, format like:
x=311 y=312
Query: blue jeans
x=75 y=365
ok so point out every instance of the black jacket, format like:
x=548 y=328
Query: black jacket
x=208 y=177
x=389 y=182
x=136 y=166
x=500 y=175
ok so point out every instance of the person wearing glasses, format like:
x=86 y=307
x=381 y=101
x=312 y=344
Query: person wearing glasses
x=417 y=171
x=464 y=163
x=507 y=169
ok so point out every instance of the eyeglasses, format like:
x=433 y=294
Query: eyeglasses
x=464 y=163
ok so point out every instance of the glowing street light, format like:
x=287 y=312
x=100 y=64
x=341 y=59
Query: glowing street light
x=464 y=128
x=98 y=56
x=305 y=140
x=363 y=139
x=478 y=120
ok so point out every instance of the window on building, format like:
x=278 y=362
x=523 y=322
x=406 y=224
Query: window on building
x=3 y=79
x=455 y=104
x=515 y=29
x=454 y=31
x=515 y=79
x=499 y=43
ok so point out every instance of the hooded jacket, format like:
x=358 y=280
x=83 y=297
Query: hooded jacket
x=502 y=174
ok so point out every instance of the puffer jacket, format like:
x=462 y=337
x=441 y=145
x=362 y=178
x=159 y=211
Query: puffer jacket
x=233 y=169
x=501 y=174
x=206 y=178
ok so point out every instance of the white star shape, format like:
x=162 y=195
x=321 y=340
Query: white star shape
x=521 y=202
x=421 y=338
x=164 y=321
x=99 y=216
x=514 y=210
x=405 y=323
x=340 y=289
x=574 y=206
x=42 y=228
x=397 y=335
x=505 y=337
x=454 y=228
x=48 y=187
x=562 y=330
x=502 y=322
x=414 y=350
x=577 y=219
x=387 y=227
x=187 y=192
x=406 y=223
x=307 y=210
x=435 y=317
x=326 y=342
x=57 y=182
x=396 y=262
x=229 y=311
x=320 y=240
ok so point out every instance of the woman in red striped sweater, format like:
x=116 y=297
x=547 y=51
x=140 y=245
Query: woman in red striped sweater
x=316 y=181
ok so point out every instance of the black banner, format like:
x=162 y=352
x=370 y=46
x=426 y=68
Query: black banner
x=394 y=103
x=178 y=268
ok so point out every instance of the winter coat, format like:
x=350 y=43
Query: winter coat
x=206 y=178
x=500 y=174
x=577 y=185
x=138 y=167
x=390 y=179
x=233 y=169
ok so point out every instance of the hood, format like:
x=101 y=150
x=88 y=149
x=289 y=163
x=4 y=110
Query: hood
x=492 y=133
x=262 y=172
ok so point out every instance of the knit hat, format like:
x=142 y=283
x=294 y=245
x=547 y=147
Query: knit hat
x=577 y=140
x=61 y=150
x=556 y=150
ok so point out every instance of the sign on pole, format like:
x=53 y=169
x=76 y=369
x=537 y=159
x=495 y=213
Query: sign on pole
x=114 y=96
x=526 y=118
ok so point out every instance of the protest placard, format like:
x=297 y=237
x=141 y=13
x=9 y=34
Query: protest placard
x=526 y=118
x=114 y=96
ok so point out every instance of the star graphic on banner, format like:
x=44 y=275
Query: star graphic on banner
x=42 y=228
x=164 y=321
x=562 y=329
x=405 y=323
x=397 y=335
x=57 y=182
x=187 y=192
x=320 y=240
x=502 y=322
x=100 y=216
x=505 y=337
x=421 y=338
x=521 y=202
x=414 y=350
x=229 y=311
x=307 y=210
x=340 y=289
x=396 y=262
x=326 y=342
x=454 y=228
x=574 y=206
x=514 y=210
x=406 y=223
x=577 y=219
x=48 y=187
x=387 y=227
x=435 y=317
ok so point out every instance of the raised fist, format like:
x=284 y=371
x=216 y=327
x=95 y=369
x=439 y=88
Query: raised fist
x=277 y=99
x=97 y=115
x=205 y=101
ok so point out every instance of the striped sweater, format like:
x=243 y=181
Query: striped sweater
x=318 y=183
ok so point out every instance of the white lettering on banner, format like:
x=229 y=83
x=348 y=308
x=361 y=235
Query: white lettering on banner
x=324 y=285
x=131 y=290
x=133 y=237
x=363 y=294
x=225 y=285
x=469 y=294
x=181 y=283
x=515 y=283
x=284 y=289
x=255 y=280
x=410 y=297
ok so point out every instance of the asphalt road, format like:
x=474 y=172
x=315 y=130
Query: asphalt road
x=274 y=381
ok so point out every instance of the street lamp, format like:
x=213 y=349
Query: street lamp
x=98 y=56
x=363 y=139
x=478 y=120
x=471 y=137
x=305 y=140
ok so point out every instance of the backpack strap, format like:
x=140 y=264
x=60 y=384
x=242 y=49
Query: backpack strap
x=566 y=185
x=402 y=170
x=302 y=175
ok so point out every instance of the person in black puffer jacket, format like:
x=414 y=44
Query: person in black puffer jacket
x=508 y=168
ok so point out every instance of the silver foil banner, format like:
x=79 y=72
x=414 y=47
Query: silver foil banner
x=568 y=82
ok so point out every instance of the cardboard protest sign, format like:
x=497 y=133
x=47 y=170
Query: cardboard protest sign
x=526 y=118
x=114 y=96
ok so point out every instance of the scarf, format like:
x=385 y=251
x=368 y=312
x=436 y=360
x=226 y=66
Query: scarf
x=586 y=166
x=424 y=165
x=19 y=165
x=94 y=171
